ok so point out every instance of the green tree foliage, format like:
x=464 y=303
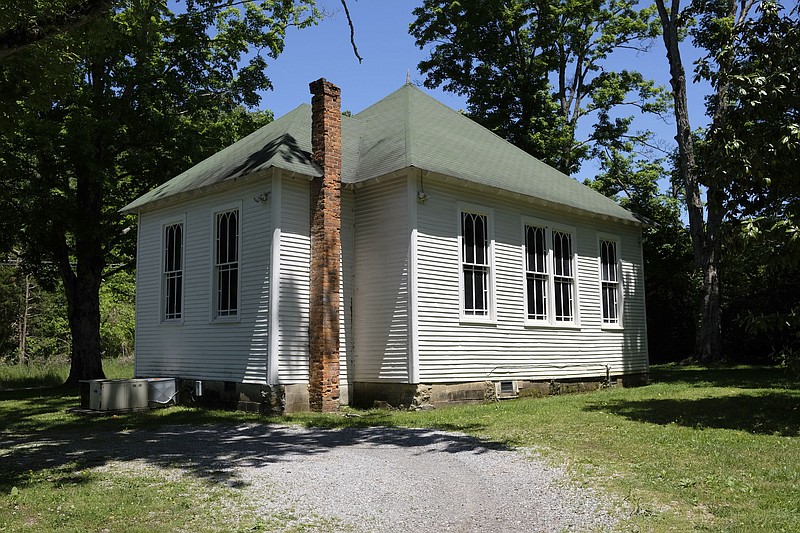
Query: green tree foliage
x=10 y=310
x=750 y=59
x=33 y=322
x=35 y=20
x=40 y=314
x=670 y=279
x=117 y=315
x=755 y=147
x=94 y=117
x=532 y=70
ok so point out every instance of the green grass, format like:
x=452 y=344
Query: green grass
x=714 y=449
x=53 y=374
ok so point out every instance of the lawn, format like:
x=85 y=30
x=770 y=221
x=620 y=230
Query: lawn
x=714 y=449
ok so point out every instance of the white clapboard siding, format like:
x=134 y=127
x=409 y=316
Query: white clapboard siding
x=346 y=287
x=294 y=293
x=198 y=347
x=380 y=311
x=293 y=314
x=452 y=351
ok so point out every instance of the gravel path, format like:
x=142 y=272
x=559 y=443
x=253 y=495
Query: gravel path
x=373 y=479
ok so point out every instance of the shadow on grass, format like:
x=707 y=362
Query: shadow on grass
x=767 y=413
x=38 y=434
x=743 y=377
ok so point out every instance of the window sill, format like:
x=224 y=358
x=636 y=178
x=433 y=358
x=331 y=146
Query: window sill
x=476 y=321
x=550 y=325
x=612 y=327
x=172 y=322
x=226 y=320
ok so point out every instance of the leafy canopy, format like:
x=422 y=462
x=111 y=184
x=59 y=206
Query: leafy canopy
x=533 y=69
x=94 y=117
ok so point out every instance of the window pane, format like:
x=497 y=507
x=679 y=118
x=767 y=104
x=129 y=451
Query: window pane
x=468 y=237
x=562 y=253
x=610 y=303
x=563 y=300
x=480 y=240
x=222 y=243
x=176 y=261
x=178 y=307
x=475 y=263
x=608 y=260
x=227 y=267
x=537 y=297
x=233 y=290
x=476 y=293
x=173 y=275
x=610 y=281
x=480 y=291
x=475 y=242
x=169 y=248
x=226 y=292
x=535 y=249
x=233 y=237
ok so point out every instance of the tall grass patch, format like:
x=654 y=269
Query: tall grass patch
x=54 y=372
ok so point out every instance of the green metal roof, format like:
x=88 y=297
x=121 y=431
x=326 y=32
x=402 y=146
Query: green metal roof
x=408 y=128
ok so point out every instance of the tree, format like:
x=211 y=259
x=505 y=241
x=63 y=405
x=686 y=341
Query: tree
x=669 y=273
x=759 y=146
x=533 y=69
x=30 y=22
x=11 y=309
x=97 y=116
x=723 y=162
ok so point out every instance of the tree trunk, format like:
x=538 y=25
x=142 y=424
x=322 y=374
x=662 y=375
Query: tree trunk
x=23 y=330
x=705 y=245
x=83 y=310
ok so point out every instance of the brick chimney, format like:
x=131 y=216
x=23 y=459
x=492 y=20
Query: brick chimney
x=326 y=145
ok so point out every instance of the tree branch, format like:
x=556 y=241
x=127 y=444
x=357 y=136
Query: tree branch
x=38 y=29
x=117 y=268
x=352 y=31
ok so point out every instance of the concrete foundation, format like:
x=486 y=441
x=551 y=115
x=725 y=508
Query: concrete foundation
x=249 y=397
x=294 y=398
x=405 y=395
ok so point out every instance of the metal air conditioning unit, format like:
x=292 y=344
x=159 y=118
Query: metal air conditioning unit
x=161 y=392
x=117 y=394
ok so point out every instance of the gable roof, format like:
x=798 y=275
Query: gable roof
x=408 y=128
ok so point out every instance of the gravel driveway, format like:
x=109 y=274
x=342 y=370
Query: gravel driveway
x=373 y=479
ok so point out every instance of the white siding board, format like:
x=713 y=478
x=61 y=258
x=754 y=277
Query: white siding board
x=198 y=348
x=380 y=311
x=293 y=318
x=346 y=286
x=451 y=351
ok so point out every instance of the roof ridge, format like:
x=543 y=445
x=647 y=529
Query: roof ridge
x=358 y=126
x=409 y=159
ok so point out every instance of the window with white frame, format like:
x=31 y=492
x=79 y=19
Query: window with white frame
x=475 y=264
x=536 y=272
x=550 y=288
x=226 y=263
x=563 y=277
x=609 y=281
x=173 y=272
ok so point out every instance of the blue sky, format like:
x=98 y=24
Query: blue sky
x=389 y=53
x=324 y=51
